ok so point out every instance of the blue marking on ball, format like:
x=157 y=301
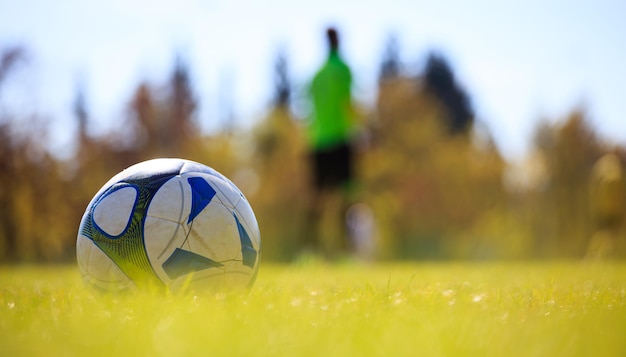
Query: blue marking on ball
x=201 y=195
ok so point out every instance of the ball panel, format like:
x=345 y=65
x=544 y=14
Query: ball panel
x=172 y=201
x=191 y=167
x=150 y=168
x=128 y=249
x=248 y=252
x=213 y=234
x=113 y=212
x=248 y=220
x=182 y=262
x=143 y=169
x=201 y=195
x=162 y=238
x=226 y=193
x=97 y=269
x=238 y=275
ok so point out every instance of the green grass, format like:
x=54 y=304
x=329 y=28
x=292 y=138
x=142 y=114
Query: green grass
x=314 y=309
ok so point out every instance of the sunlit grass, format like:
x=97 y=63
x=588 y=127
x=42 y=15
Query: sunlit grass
x=315 y=309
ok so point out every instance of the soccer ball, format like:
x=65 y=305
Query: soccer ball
x=168 y=222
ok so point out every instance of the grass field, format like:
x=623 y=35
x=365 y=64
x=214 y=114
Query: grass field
x=316 y=309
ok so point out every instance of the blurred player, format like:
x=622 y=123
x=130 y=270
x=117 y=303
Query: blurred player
x=330 y=136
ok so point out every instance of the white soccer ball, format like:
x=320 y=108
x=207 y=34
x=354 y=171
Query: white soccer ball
x=169 y=222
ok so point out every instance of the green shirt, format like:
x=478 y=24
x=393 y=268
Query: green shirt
x=331 y=121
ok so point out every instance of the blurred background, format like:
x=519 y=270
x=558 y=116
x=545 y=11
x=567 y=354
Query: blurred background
x=486 y=130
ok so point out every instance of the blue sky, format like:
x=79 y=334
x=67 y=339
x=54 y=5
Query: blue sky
x=520 y=61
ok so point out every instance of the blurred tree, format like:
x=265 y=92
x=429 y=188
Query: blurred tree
x=31 y=193
x=432 y=192
x=282 y=82
x=144 y=114
x=608 y=207
x=8 y=239
x=440 y=81
x=9 y=58
x=279 y=162
x=562 y=218
x=390 y=67
x=161 y=120
x=82 y=116
x=182 y=105
x=9 y=223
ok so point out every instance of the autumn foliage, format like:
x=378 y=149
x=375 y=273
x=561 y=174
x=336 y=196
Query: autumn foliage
x=428 y=171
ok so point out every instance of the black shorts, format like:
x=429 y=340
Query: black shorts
x=332 y=167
